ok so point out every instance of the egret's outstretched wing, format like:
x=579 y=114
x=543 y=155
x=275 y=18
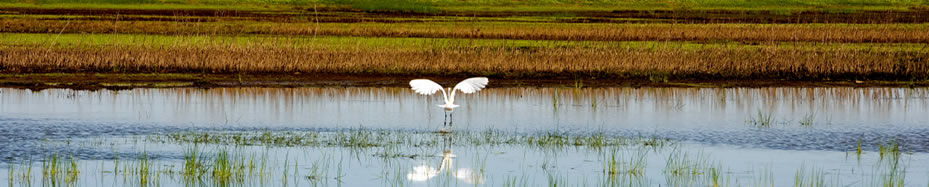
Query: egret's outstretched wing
x=425 y=86
x=472 y=85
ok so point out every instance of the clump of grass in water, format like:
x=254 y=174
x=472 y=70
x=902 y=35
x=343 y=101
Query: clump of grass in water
x=716 y=177
x=894 y=174
x=58 y=171
x=859 y=148
x=21 y=171
x=144 y=169
x=554 y=139
x=12 y=169
x=318 y=172
x=228 y=169
x=812 y=178
x=766 y=178
x=807 y=120
x=372 y=138
x=620 y=171
x=635 y=166
x=194 y=168
x=515 y=181
x=763 y=120
x=892 y=148
x=681 y=164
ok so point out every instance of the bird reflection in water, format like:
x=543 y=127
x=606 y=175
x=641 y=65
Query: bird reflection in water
x=425 y=172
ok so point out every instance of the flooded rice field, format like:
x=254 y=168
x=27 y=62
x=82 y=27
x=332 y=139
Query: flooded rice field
x=498 y=137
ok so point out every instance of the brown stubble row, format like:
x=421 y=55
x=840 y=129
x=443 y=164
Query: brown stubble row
x=653 y=64
x=884 y=33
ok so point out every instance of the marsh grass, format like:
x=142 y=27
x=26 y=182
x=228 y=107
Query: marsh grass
x=59 y=171
x=508 y=29
x=807 y=120
x=717 y=177
x=858 y=149
x=615 y=165
x=686 y=169
x=671 y=61
x=194 y=166
x=763 y=120
x=764 y=178
x=144 y=170
x=367 y=139
x=890 y=148
x=809 y=177
x=228 y=164
x=21 y=173
x=889 y=173
x=513 y=181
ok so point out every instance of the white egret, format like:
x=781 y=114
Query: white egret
x=428 y=87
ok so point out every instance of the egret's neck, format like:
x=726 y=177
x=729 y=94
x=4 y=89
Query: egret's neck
x=450 y=99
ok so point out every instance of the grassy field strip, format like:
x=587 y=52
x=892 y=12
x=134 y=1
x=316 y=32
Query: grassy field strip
x=659 y=64
x=486 y=5
x=889 y=33
x=69 y=41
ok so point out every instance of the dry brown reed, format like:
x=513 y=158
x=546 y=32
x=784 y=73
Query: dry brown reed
x=657 y=64
x=878 y=33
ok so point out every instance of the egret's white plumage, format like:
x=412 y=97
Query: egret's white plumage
x=428 y=87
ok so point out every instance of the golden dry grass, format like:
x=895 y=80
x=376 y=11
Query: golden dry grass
x=878 y=33
x=657 y=64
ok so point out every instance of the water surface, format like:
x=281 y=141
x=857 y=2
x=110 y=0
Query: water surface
x=815 y=129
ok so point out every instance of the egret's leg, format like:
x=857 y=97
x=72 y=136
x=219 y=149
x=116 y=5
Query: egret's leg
x=445 y=123
x=450 y=119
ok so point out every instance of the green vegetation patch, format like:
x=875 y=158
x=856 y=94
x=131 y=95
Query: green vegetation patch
x=363 y=138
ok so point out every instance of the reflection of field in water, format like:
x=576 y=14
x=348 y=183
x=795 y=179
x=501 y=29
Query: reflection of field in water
x=509 y=108
x=503 y=136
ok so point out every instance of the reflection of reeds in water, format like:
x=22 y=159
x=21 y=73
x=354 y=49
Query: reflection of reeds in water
x=667 y=98
x=225 y=105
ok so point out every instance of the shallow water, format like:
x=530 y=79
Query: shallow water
x=716 y=128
